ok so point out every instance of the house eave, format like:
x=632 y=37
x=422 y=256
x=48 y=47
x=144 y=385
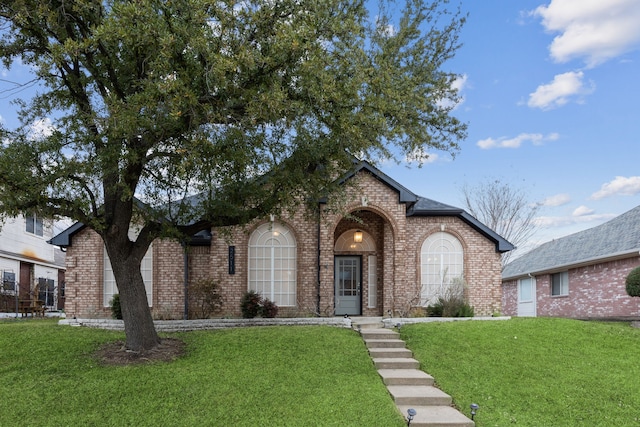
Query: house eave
x=575 y=264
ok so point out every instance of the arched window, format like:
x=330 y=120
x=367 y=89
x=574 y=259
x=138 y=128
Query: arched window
x=272 y=263
x=442 y=267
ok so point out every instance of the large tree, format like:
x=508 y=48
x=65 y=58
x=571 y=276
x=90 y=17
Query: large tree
x=181 y=115
x=503 y=207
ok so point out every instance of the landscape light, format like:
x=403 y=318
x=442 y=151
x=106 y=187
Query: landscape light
x=474 y=409
x=410 y=414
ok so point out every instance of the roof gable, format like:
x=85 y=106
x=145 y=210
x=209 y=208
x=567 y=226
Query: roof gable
x=616 y=237
x=404 y=195
x=416 y=206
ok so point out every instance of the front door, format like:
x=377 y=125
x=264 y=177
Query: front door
x=348 y=281
x=527 y=297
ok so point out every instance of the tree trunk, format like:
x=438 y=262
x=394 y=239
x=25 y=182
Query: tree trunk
x=139 y=329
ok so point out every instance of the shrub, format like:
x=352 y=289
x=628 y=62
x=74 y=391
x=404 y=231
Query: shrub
x=205 y=299
x=450 y=307
x=435 y=310
x=250 y=304
x=633 y=283
x=114 y=304
x=268 y=309
x=465 y=310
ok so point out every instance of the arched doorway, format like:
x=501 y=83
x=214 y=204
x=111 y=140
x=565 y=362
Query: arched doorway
x=358 y=263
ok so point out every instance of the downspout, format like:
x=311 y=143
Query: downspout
x=318 y=270
x=185 y=259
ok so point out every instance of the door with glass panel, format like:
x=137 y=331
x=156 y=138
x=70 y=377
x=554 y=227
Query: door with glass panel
x=348 y=282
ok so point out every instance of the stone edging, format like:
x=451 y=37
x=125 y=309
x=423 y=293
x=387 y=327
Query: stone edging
x=399 y=321
x=204 y=324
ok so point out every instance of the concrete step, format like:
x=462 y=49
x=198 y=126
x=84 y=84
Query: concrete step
x=373 y=343
x=379 y=334
x=360 y=323
x=396 y=363
x=421 y=395
x=381 y=353
x=436 y=416
x=405 y=377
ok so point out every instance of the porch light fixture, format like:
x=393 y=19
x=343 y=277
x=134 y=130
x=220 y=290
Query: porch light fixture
x=474 y=409
x=410 y=414
x=357 y=236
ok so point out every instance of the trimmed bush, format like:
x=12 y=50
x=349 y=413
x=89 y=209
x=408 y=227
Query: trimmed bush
x=250 y=304
x=269 y=309
x=633 y=283
x=114 y=304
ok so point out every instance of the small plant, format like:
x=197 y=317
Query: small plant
x=250 y=304
x=451 y=302
x=268 y=309
x=633 y=283
x=116 y=309
x=205 y=299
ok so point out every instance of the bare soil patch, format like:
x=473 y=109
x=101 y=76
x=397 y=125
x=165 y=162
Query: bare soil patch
x=116 y=354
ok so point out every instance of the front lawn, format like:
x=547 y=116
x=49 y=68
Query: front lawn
x=535 y=372
x=261 y=376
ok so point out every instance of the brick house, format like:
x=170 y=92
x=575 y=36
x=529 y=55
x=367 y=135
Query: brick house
x=387 y=253
x=578 y=276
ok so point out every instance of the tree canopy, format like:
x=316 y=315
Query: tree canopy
x=214 y=112
x=504 y=208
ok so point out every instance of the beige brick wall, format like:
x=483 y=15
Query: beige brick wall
x=398 y=240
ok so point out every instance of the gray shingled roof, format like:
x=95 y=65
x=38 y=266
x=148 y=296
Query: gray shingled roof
x=416 y=206
x=616 y=237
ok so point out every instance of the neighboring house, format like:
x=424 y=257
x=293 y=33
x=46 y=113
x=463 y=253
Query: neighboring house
x=578 y=276
x=31 y=269
x=387 y=253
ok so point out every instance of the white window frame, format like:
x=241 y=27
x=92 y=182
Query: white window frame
x=562 y=288
x=273 y=263
x=109 y=281
x=441 y=267
x=34 y=225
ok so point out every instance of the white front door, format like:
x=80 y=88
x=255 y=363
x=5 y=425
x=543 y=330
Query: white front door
x=347 y=285
x=527 y=297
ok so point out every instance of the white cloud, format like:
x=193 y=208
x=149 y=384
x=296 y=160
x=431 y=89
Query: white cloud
x=502 y=142
x=563 y=221
x=556 y=200
x=459 y=84
x=41 y=128
x=421 y=157
x=593 y=30
x=561 y=90
x=621 y=186
x=582 y=211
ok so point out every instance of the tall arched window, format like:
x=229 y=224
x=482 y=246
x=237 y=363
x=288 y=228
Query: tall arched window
x=109 y=282
x=442 y=267
x=272 y=263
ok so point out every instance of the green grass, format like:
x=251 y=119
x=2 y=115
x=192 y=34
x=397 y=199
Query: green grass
x=266 y=376
x=535 y=372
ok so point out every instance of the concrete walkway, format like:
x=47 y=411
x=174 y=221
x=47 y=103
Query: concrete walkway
x=409 y=387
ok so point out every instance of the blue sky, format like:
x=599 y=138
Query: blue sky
x=550 y=93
